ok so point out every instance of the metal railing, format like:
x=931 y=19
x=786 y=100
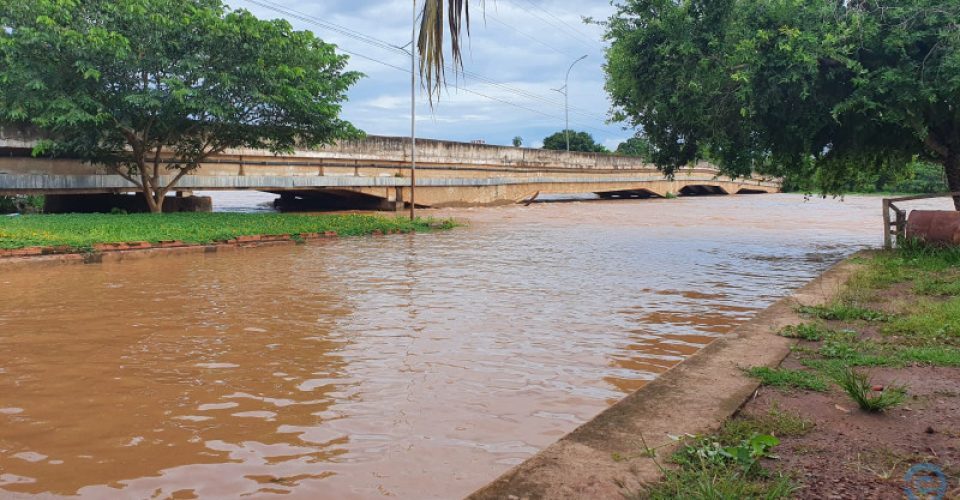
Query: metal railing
x=895 y=227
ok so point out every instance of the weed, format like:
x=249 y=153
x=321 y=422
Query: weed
x=788 y=379
x=701 y=482
x=711 y=452
x=805 y=331
x=841 y=311
x=775 y=422
x=931 y=320
x=938 y=285
x=857 y=385
x=708 y=469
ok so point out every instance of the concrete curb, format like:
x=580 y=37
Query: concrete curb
x=695 y=397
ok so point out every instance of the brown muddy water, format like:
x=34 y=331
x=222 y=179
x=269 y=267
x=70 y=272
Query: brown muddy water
x=415 y=366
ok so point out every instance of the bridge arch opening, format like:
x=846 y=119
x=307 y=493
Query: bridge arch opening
x=702 y=190
x=751 y=191
x=628 y=194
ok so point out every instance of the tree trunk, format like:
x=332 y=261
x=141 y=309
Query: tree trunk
x=951 y=165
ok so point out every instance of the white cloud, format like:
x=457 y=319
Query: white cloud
x=525 y=45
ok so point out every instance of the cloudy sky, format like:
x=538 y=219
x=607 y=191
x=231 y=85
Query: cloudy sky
x=519 y=51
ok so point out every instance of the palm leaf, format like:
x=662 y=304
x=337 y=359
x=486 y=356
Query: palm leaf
x=430 y=41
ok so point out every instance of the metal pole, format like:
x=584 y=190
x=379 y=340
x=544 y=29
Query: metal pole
x=566 y=101
x=566 y=107
x=413 y=111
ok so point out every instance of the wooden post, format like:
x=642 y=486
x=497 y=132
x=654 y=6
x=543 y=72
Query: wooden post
x=887 y=242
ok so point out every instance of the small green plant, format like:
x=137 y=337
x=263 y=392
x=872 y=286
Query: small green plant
x=710 y=452
x=775 y=422
x=788 y=379
x=670 y=196
x=805 y=331
x=839 y=311
x=857 y=385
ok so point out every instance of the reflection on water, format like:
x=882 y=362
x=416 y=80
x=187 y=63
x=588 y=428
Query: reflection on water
x=419 y=366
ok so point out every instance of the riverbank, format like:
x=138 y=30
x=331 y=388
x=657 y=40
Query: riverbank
x=881 y=327
x=35 y=235
x=870 y=389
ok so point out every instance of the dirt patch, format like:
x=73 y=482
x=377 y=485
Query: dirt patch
x=854 y=454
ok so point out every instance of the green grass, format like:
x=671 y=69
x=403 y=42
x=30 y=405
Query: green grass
x=857 y=385
x=707 y=483
x=842 y=311
x=938 y=285
x=806 y=331
x=788 y=379
x=727 y=465
x=775 y=422
x=930 y=320
x=84 y=230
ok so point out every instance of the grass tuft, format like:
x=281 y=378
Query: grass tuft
x=788 y=379
x=840 y=311
x=806 y=331
x=775 y=422
x=857 y=385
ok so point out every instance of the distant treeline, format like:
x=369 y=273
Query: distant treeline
x=917 y=177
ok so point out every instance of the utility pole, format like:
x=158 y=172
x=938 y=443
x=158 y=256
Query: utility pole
x=413 y=111
x=565 y=90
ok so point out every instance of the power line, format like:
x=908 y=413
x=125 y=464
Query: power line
x=525 y=34
x=382 y=44
x=575 y=34
x=574 y=28
x=352 y=34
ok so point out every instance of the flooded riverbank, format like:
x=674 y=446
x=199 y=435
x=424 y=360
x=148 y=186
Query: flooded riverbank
x=420 y=366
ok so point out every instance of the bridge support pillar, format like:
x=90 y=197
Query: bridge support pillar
x=398 y=200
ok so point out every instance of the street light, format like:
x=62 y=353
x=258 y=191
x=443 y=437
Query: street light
x=565 y=90
x=413 y=111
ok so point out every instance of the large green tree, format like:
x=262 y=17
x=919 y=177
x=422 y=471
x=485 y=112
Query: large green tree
x=637 y=146
x=579 y=141
x=821 y=89
x=152 y=88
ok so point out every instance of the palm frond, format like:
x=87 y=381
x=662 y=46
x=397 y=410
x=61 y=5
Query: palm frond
x=430 y=41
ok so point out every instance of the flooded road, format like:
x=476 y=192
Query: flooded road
x=415 y=366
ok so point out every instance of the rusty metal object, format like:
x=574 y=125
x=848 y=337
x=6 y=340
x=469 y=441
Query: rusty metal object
x=934 y=226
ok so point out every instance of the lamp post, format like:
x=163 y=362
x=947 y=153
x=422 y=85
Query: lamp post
x=565 y=90
x=413 y=111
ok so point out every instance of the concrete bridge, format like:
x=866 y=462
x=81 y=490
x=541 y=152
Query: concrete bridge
x=375 y=172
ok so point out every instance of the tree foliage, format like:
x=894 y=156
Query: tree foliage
x=579 y=141
x=637 y=146
x=811 y=88
x=154 y=87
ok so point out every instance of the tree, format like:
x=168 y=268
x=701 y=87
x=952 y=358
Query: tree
x=814 y=89
x=154 y=87
x=637 y=146
x=517 y=141
x=579 y=141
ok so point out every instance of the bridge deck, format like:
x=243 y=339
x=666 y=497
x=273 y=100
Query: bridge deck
x=448 y=173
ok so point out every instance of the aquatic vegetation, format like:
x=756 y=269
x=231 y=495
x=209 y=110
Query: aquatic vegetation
x=82 y=231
